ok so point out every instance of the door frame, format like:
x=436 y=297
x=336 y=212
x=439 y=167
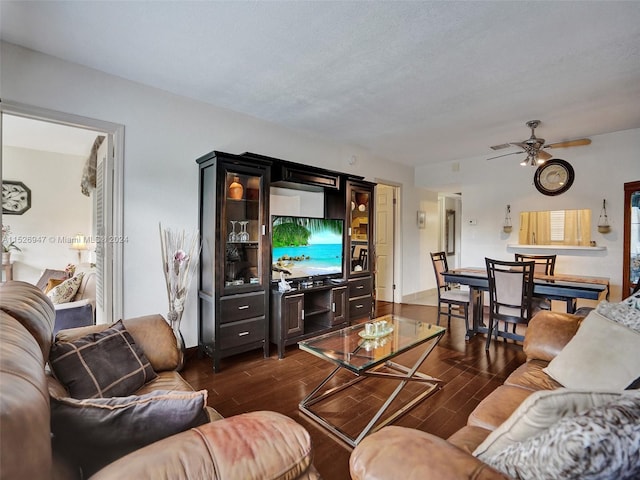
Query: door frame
x=114 y=280
x=629 y=188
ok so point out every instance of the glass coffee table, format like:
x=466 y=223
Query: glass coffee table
x=366 y=352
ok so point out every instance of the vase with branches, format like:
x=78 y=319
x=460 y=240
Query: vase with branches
x=8 y=244
x=179 y=260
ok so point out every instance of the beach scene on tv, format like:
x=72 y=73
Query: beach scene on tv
x=306 y=247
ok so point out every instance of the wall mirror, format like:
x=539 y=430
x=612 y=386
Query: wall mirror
x=555 y=227
x=450 y=232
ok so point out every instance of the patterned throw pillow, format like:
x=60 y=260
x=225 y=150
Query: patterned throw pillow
x=93 y=433
x=633 y=301
x=537 y=413
x=66 y=291
x=102 y=364
x=623 y=313
x=602 y=442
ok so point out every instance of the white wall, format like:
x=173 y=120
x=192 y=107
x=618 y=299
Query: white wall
x=58 y=210
x=601 y=169
x=164 y=134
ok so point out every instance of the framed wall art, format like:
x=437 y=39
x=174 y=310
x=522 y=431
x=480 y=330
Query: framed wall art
x=16 y=198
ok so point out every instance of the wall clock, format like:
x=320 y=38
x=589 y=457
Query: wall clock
x=554 y=177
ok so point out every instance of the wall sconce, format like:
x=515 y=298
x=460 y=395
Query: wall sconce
x=603 y=221
x=79 y=244
x=507 y=227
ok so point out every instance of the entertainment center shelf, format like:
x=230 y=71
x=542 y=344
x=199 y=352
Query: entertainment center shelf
x=304 y=312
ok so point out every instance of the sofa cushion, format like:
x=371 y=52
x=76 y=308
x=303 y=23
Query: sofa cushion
x=494 y=409
x=103 y=364
x=603 y=355
x=66 y=291
x=530 y=375
x=537 y=413
x=95 y=432
x=601 y=442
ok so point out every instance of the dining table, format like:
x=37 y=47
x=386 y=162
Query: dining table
x=564 y=287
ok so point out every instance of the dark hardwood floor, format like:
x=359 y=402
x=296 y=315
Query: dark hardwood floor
x=249 y=382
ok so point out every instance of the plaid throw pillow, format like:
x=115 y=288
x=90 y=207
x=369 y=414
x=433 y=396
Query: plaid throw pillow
x=103 y=364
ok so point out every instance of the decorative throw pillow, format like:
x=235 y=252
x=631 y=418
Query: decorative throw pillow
x=102 y=364
x=633 y=301
x=603 y=355
x=93 y=433
x=622 y=312
x=65 y=292
x=53 y=282
x=602 y=442
x=537 y=413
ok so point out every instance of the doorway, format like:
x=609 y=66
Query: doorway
x=105 y=221
x=385 y=241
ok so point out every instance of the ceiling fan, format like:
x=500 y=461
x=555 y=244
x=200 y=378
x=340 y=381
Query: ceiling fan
x=533 y=146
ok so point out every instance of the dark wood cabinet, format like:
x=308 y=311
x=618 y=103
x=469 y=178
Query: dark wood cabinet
x=234 y=278
x=359 y=247
x=305 y=312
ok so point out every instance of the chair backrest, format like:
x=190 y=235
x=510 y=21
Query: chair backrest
x=439 y=260
x=362 y=258
x=545 y=264
x=510 y=289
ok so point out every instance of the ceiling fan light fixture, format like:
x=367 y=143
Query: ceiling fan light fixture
x=524 y=162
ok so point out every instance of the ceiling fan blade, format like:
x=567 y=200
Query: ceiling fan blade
x=512 y=153
x=544 y=155
x=570 y=143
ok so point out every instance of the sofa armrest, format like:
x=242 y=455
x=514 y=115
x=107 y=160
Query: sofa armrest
x=399 y=452
x=549 y=332
x=251 y=445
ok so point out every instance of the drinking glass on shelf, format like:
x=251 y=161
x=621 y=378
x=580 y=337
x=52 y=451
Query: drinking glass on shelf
x=243 y=236
x=233 y=236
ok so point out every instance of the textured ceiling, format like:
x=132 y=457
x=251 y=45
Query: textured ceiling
x=415 y=82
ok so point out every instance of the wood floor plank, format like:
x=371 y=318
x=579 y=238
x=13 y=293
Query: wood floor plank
x=249 y=382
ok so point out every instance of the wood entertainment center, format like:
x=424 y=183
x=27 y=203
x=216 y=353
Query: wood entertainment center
x=240 y=307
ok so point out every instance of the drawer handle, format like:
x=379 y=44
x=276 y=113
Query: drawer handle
x=359 y=306
x=243 y=307
x=242 y=334
x=333 y=307
x=359 y=287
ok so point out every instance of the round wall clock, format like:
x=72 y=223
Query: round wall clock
x=554 y=177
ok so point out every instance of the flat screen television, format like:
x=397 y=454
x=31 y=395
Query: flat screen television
x=305 y=247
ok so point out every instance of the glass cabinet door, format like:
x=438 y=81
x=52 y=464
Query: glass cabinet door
x=359 y=230
x=242 y=230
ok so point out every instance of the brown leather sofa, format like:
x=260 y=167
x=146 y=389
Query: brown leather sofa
x=398 y=452
x=277 y=447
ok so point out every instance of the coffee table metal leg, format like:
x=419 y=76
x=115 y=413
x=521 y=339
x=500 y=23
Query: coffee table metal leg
x=410 y=374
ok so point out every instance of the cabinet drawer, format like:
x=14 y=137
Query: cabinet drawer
x=359 y=307
x=239 y=307
x=241 y=333
x=360 y=287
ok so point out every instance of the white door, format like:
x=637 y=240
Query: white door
x=103 y=219
x=384 y=241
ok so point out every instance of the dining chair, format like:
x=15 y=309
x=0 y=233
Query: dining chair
x=544 y=265
x=510 y=297
x=447 y=295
